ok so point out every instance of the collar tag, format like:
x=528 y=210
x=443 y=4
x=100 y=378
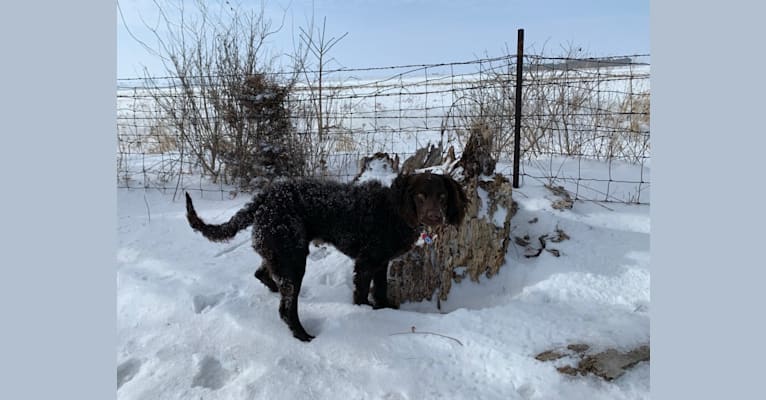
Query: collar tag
x=425 y=237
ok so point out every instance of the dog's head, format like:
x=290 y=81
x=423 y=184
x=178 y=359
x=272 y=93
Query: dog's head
x=429 y=199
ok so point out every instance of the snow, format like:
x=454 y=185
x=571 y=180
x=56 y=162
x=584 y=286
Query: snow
x=193 y=322
x=379 y=170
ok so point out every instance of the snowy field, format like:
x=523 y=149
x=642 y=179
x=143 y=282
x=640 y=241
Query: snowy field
x=193 y=323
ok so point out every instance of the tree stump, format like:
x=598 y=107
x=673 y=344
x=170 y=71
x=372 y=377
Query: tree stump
x=477 y=247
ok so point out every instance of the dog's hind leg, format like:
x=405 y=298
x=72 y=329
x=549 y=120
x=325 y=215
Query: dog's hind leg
x=284 y=248
x=290 y=288
x=362 y=278
x=287 y=269
x=263 y=274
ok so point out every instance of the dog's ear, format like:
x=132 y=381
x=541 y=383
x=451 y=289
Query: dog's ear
x=456 y=201
x=401 y=187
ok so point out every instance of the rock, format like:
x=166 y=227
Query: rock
x=611 y=364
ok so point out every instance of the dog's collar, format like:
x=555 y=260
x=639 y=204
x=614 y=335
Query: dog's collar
x=424 y=235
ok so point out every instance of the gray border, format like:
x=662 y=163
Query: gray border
x=57 y=291
x=707 y=106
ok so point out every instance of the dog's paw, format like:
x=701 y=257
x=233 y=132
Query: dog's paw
x=384 y=304
x=360 y=300
x=363 y=303
x=303 y=336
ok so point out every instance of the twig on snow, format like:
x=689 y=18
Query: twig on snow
x=148 y=211
x=425 y=333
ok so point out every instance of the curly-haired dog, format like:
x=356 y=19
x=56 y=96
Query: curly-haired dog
x=368 y=222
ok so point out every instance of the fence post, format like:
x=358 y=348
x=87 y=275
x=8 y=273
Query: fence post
x=517 y=109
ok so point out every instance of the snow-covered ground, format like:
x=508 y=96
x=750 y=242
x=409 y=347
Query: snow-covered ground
x=193 y=323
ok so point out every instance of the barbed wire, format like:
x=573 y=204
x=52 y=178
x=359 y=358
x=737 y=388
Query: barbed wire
x=575 y=110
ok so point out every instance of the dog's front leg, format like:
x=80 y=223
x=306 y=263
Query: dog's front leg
x=363 y=275
x=380 y=288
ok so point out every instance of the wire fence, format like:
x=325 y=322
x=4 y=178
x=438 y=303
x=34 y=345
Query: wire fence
x=584 y=122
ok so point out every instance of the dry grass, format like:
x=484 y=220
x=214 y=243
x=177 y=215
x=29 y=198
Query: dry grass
x=162 y=139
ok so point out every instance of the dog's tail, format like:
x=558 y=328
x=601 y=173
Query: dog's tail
x=219 y=233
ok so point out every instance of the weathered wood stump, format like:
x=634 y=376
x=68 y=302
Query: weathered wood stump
x=477 y=247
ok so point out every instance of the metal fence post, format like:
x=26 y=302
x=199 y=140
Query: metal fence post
x=517 y=109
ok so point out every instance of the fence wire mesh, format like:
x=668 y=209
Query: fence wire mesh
x=584 y=121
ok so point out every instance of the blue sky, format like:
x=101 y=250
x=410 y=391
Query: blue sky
x=394 y=32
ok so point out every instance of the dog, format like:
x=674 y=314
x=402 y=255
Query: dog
x=368 y=222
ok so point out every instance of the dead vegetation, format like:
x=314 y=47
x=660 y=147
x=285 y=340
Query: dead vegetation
x=531 y=251
x=609 y=364
x=564 y=200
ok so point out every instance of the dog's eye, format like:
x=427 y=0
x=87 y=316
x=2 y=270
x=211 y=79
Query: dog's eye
x=443 y=198
x=420 y=197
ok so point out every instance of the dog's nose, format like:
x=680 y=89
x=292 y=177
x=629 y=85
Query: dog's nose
x=434 y=217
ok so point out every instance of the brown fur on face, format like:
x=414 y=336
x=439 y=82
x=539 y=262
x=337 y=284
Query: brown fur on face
x=430 y=199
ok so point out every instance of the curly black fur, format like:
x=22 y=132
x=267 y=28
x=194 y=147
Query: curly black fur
x=368 y=222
